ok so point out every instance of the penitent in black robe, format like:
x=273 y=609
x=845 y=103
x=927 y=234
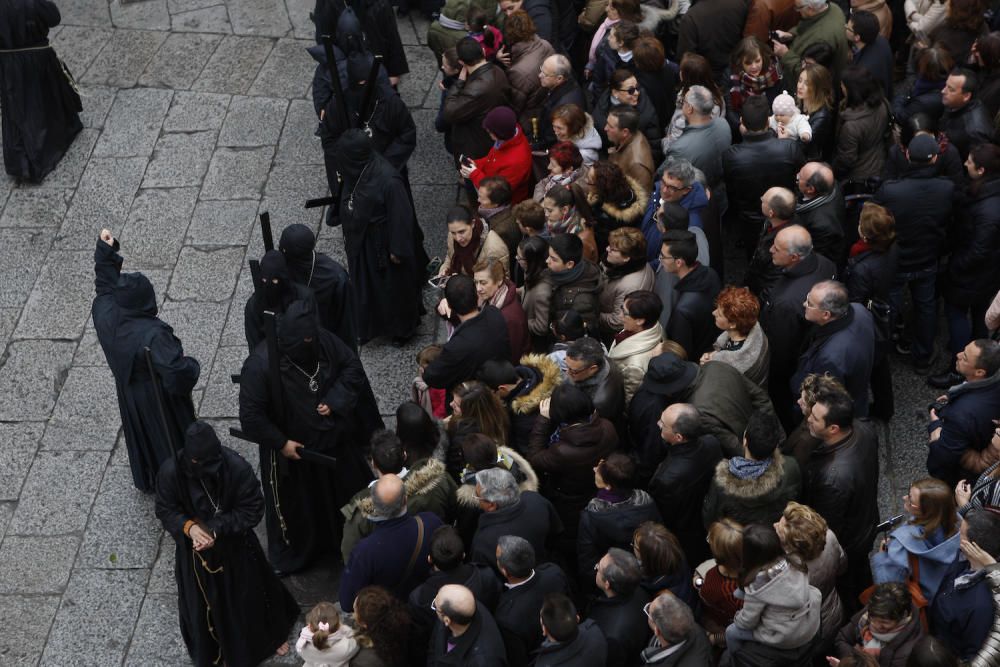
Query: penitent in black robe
x=233 y=609
x=377 y=21
x=39 y=105
x=304 y=498
x=124 y=313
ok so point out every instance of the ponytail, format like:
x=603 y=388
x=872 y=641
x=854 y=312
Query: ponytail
x=323 y=620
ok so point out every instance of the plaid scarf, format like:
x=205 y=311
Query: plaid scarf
x=743 y=85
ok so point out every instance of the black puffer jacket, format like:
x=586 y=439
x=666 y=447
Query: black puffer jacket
x=824 y=217
x=907 y=104
x=967 y=127
x=921 y=202
x=581 y=294
x=869 y=274
x=823 y=124
x=973 y=275
x=761 y=162
x=691 y=323
x=605 y=524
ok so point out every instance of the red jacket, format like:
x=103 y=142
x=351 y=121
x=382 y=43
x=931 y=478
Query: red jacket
x=512 y=161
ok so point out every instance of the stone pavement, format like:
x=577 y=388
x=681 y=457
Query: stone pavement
x=198 y=117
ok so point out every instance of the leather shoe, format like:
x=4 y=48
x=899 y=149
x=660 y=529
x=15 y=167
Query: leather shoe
x=945 y=380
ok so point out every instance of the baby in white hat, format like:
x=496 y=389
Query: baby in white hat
x=788 y=122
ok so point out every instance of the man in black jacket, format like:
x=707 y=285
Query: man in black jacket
x=568 y=642
x=589 y=368
x=712 y=28
x=618 y=607
x=480 y=87
x=677 y=639
x=526 y=586
x=465 y=632
x=781 y=314
x=691 y=325
x=556 y=76
x=778 y=207
x=751 y=168
x=871 y=50
x=840 y=482
x=821 y=211
x=921 y=202
x=480 y=337
x=965 y=121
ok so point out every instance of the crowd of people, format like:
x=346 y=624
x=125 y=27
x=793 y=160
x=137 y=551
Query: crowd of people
x=625 y=450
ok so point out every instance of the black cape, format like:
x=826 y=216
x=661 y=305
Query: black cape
x=303 y=499
x=39 y=105
x=124 y=313
x=271 y=296
x=378 y=22
x=377 y=220
x=229 y=599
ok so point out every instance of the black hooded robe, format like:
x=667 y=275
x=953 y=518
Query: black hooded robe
x=39 y=105
x=233 y=609
x=269 y=296
x=326 y=278
x=377 y=22
x=124 y=313
x=377 y=221
x=302 y=498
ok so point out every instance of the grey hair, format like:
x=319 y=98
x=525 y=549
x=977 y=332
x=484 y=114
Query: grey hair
x=622 y=571
x=834 y=299
x=700 y=99
x=561 y=66
x=680 y=169
x=672 y=617
x=588 y=350
x=687 y=421
x=498 y=486
x=801 y=248
x=517 y=556
x=392 y=510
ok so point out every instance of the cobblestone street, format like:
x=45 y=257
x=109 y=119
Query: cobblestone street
x=197 y=117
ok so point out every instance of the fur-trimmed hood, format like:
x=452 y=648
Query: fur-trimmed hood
x=654 y=16
x=466 y=494
x=628 y=215
x=423 y=477
x=751 y=488
x=551 y=377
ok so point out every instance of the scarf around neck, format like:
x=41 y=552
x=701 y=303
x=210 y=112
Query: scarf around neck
x=756 y=85
x=742 y=468
x=464 y=259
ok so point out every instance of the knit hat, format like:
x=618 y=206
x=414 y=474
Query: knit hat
x=502 y=122
x=784 y=104
x=922 y=148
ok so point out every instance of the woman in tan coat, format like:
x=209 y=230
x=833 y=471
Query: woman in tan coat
x=470 y=241
x=626 y=270
x=522 y=58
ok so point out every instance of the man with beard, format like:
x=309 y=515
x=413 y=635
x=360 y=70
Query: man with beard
x=325 y=406
x=124 y=313
x=328 y=280
x=275 y=293
x=381 y=241
x=233 y=610
x=376 y=28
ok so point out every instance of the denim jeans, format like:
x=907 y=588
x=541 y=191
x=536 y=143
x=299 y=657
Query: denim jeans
x=736 y=637
x=960 y=330
x=924 y=329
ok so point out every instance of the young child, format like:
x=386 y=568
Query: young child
x=432 y=400
x=324 y=642
x=477 y=23
x=756 y=71
x=788 y=122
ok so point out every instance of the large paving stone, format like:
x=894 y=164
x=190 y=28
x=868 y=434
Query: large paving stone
x=123 y=532
x=97 y=600
x=233 y=335
x=69 y=170
x=134 y=123
x=237 y=173
x=206 y=275
x=30 y=378
x=59 y=304
x=36 y=565
x=25 y=622
x=259 y=17
x=198 y=325
x=124 y=58
x=6 y=512
x=145 y=15
x=221 y=395
x=164 y=648
x=384 y=364
x=287 y=71
x=180 y=6
x=180 y=60
x=298 y=182
x=85 y=12
x=210 y=20
x=216 y=223
x=35 y=207
x=194 y=112
x=298 y=13
x=299 y=144
x=18 y=444
x=413 y=87
x=54 y=502
x=77 y=46
x=102 y=200
x=430 y=163
x=234 y=65
x=180 y=160
x=253 y=121
x=86 y=416
x=97 y=101
x=161 y=578
x=8 y=320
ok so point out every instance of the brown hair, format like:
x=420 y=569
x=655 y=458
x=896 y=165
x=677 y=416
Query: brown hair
x=481 y=407
x=988 y=48
x=934 y=63
x=530 y=213
x=815 y=384
x=492 y=266
x=878 y=226
x=383 y=624
x=966 y=14
x=657 y=548
x=519 y=27
x=324 y=612
x=819 y=84
x=739 y=306
x=648 y=54
x=674 y=348
x=628 y=10
x=749 y=48
x=610 y=183
x=937 y=507
x=806 y=531
x=629 y=241
x=429 y=354
x=695 y=70
x=725 y=540
x=574 y=117
x=618 y=471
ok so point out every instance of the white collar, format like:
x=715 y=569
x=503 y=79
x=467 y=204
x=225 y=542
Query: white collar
x=520 y=583
x=665 y=652
x=401 y=474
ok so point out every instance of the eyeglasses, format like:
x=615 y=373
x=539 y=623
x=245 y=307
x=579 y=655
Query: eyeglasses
x=433 y=606
x=674 y=188
x=632 y=90
x=645 y=608
x=577 y=371
x=665 y=258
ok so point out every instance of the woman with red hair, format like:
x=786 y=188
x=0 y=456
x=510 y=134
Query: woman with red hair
x=742 y=343
x=564 y=167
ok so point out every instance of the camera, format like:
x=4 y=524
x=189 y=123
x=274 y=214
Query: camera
x=775 y=37
x=937 y=406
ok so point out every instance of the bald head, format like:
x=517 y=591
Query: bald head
x=778 y=204
x=455 y=605
x=389 y=497
x=815 y=179
x=554 y=70
x=680 y=423
x=791 y=245
x=827 y=301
